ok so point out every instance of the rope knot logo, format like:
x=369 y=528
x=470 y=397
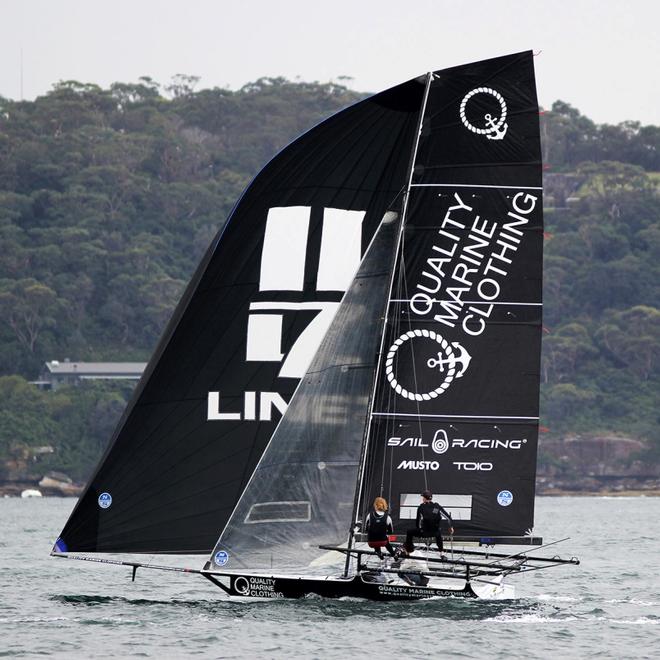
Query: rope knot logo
x=453 y=361
x=494 y=127
x=242 y=586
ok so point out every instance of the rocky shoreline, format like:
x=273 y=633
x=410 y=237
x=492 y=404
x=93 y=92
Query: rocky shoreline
x=595 y=465
x=574 y=465
x=617 y=488
x=586 y=487
x=52 y=484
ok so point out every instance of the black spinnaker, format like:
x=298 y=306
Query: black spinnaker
x=244 y=333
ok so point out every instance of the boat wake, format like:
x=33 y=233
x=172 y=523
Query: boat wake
x=98 y=600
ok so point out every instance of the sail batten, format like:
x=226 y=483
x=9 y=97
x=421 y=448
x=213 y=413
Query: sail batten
x=450 y=416
x=473 y=185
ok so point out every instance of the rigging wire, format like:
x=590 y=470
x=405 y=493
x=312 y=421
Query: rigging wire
x=526 y=552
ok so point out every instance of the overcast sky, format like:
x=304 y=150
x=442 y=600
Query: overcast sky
x=602 y=56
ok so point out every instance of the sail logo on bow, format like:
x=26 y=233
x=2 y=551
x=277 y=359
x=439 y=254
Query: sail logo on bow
x=494 y=128
x=453 y=361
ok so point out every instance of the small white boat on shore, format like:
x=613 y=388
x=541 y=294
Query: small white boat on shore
x=30 y=492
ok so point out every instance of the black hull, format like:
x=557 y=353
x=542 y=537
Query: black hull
x=262 y=586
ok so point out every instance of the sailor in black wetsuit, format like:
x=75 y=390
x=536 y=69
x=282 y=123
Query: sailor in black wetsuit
x=429 y=516
x=379 y=525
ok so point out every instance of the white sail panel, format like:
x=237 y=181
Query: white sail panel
x=264 y=338
x=285 y=248
x=340 y=249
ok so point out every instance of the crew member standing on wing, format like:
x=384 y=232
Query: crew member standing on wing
x=429 y=517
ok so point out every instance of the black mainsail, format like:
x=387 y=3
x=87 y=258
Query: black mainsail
x=368 y=323
x=456 y=404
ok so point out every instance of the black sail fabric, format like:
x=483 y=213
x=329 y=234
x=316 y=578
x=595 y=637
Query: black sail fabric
x=244 y=333
x=302 y=492
x=456 y=404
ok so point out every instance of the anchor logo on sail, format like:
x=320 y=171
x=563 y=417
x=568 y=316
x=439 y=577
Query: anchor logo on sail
x=453 y=361
x=494 y=128
x=463 y=358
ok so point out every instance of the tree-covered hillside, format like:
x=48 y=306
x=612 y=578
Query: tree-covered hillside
x=108 y=198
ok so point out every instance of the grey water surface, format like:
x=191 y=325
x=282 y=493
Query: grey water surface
x=608 y=606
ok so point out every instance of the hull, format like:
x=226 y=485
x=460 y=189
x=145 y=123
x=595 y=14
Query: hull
x=370 y=586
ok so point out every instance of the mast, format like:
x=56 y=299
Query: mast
x=396 y=255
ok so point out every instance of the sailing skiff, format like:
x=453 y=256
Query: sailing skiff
x=367 y=323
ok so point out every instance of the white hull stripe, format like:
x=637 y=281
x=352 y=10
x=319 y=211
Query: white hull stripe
x=383 y=414
x=472 y=185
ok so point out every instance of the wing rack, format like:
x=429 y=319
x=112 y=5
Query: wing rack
x=453 y=563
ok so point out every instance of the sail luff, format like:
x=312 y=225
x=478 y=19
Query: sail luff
x=312 y=459
x=400 y=232
x=300 y=384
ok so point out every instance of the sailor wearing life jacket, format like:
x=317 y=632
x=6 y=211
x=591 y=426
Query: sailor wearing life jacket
x=379 y=525
x=429 y=517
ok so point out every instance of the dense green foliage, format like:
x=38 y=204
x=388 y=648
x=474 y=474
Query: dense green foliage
x=601 y=356
x=108 y=198
x=76 y=421
x=570 y=139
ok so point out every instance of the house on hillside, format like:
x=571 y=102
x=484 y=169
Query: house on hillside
x=57 y=373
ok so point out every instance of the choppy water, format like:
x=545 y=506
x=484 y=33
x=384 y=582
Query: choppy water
x=610 y=605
